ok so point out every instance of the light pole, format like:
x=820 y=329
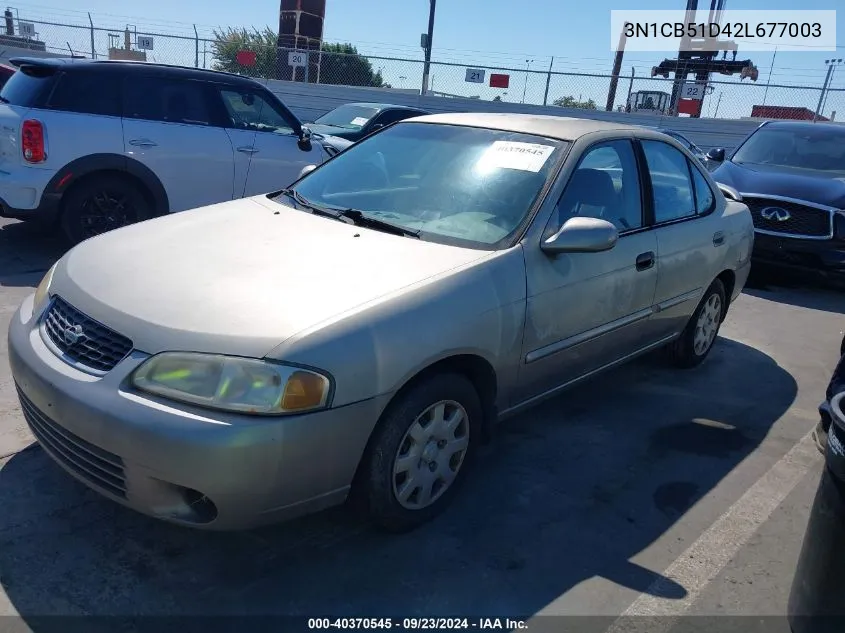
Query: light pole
x=402 y=79
x=528 y=63
x=831 y=65
x=428 y=38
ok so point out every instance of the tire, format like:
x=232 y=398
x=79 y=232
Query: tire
x=687 y=350
x=101 y=204
x=389 y=491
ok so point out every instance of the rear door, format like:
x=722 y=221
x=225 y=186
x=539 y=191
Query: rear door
x=690 y=241
x=266 y=145
x=172 y=126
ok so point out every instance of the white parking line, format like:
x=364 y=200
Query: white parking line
x=706 y=557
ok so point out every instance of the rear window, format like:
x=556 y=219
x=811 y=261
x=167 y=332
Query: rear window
x=28 y=86
x=87 y=93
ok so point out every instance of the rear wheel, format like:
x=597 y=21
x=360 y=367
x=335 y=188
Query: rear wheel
x=697 y=339
x=101 y=204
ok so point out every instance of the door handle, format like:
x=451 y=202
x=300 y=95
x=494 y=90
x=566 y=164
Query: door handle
x=645 y=261
x=247 y=150
x=142 y=142
x=718 y=238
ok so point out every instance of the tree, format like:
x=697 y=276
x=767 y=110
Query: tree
x=343 y=64
x=572 y=102
x=227 y=44
x=339 y=63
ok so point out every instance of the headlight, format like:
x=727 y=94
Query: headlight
x=42 y=292
x=229 y=383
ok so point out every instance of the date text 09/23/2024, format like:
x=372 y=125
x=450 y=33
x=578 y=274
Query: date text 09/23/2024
x=416 y=624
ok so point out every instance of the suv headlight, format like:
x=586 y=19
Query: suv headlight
x=42 y=292
x=229 y=383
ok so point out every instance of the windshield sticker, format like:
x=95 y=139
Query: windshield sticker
x=359 y=120
x=514 y=155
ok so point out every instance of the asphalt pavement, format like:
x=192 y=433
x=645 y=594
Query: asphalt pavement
x=646 y=493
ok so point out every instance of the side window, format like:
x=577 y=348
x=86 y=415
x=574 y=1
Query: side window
x=166 y=100
x=87 y=93
x=248 y=110
x=704 y=197
x=604 y=185
x=670 y=181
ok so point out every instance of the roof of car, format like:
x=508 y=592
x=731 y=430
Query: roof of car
x=803 y=125
x=559 y=127
x=186 y=72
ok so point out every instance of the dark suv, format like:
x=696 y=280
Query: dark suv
x=96 y=145
x=792 y=176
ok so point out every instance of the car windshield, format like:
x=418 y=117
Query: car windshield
x=820 y=148
x=458 y=185
x=350 y=117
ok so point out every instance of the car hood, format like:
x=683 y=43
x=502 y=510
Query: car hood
x=240 y=277
x=782 y=181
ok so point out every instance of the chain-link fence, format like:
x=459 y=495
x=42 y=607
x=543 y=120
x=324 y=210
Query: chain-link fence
x=342 y=65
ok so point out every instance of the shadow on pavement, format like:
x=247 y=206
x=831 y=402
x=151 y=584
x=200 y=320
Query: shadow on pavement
x=795 y=288
x=568 y=491
x=26 y=252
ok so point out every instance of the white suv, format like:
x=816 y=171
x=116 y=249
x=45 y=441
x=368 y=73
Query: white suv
x=89 y=146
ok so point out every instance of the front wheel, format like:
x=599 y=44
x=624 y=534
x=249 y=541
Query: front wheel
x=696 y=341
x=101 y=204
x=421 y=451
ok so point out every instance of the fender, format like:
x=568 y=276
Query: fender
x=80 y=167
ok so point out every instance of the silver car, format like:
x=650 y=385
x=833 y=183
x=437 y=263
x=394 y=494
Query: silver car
x=361 y=331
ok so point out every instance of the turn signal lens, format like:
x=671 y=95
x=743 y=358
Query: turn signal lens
x=304 y=390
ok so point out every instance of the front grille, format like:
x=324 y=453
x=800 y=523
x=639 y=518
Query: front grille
x=801 y=220
x=92 y=464
x=98 y=347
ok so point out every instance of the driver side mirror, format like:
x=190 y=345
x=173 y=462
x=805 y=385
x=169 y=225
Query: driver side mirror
x=717 y=154
x=304 y=142
x=582 y=235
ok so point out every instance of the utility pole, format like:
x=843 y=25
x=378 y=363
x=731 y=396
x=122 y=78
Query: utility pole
x=830 y=64
x=771 y=70
x=831 y=71
x=718 y=103
x=527 y=68
x=428 y=39
x=548 y=81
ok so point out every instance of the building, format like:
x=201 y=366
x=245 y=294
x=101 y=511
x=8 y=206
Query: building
x=784 y=112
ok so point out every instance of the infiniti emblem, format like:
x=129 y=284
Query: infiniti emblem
x=73 y=335
x=775 y=213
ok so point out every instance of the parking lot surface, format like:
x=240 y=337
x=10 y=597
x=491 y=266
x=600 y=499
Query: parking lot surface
x=646 y=491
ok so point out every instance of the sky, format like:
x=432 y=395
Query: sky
x=485 y=34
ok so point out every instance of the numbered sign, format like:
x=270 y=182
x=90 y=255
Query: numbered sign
x=297 y=59
x=26 y=29
x=144 y=42
x=475 y=75
x=693 y=91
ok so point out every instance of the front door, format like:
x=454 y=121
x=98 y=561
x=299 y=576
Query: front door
x=170 y=126
x=586 y=310
x=267 y=152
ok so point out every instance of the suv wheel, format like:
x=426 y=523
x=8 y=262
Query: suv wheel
x=99 y=205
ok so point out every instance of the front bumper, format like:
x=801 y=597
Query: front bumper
x=825 y=257
x=185 y=465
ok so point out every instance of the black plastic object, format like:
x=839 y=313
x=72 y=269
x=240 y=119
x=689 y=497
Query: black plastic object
x=817 y=598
